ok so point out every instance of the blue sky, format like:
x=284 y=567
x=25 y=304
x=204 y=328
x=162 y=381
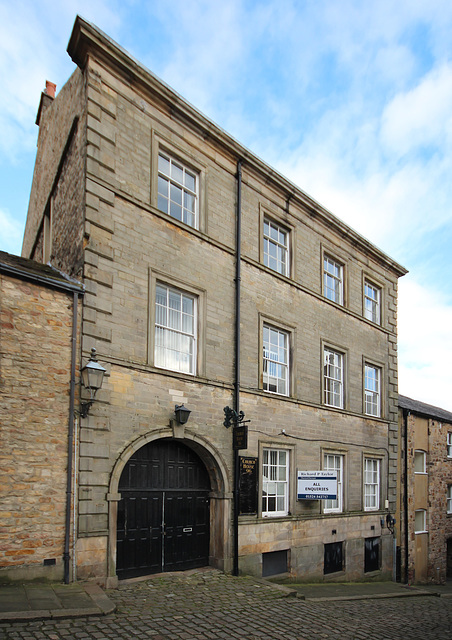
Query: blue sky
x=350 y=99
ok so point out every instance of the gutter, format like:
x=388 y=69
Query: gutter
x=62 y=285
x=235 y=567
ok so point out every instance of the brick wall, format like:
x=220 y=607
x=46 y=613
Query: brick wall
x=35 y=351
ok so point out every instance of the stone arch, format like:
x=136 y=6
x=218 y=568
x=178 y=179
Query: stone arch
x=220 y=495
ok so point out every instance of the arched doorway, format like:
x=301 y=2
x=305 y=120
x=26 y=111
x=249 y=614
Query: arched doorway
x=164 y=512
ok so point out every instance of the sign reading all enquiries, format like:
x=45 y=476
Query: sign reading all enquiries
x=317 y=485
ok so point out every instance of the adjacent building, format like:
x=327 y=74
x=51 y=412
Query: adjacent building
x=39 y=309
x=424 y=532
x=212 y=281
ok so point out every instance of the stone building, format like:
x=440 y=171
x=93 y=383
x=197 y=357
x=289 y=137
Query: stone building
x=38 y=331
x=212 y=281
x=424 y=512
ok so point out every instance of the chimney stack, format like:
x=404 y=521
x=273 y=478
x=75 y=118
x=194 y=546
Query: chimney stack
x=50 y=89
x=47 y=97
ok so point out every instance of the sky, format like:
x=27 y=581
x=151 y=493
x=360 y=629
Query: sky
x=349 y=99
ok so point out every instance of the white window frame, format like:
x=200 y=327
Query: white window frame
x=372 y=302
x=422 y=528
x=276 y=236
x=173 y=184
x=335 y=462
x=333 y=280
x=372 y=390
x=333 y=378
x=275 y=360
x=449 y=444
x=420 y=461
x=177 y=333
x=449 y=498
x=275 y=482
x=372 y=483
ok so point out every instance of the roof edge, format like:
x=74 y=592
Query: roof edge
x=88 y=39
x=424 y=409
x=26 y=269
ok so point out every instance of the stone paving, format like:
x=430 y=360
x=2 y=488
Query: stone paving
x=210 y=605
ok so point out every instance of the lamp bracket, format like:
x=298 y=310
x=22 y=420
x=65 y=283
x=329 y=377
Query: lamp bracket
x=234 y=417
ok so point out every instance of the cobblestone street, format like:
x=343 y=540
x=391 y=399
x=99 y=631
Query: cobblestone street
x=210 y=605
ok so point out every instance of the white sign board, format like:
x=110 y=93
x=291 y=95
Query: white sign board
x=317 y=485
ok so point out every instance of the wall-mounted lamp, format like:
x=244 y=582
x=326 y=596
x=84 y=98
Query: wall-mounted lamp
x=390 y=522
x=92 y=376
x=182 y=414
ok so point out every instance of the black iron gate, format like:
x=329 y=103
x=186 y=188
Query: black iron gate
x=163 y=514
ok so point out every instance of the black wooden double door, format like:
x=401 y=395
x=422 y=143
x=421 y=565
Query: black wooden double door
x=163 y=514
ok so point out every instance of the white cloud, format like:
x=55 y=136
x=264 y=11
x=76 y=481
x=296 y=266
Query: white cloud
x=425 y=344
x=420 y=117
x=33 y=40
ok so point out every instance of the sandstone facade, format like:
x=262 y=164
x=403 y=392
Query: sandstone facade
x=130 y=248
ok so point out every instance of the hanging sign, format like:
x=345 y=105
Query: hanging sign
x=317 y=485
x=248 y=485
x=240 y=437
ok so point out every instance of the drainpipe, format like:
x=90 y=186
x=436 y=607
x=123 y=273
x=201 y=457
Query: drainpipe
x=67 y=531
x=235 y=568
x=406 y=414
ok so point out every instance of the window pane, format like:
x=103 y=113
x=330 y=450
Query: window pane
x=371 y=484
x=275 y=361
x=176 y=211
x=174 y=330
x=189 y=202
x=190 y=181
x=332 y=280
x=275 y=247
x=419 y=462
x=333 y=386
x=179 y=186
x=176 y=194
x=274 y=482
x=177 y=172
x=164 y=165
x=419 y=521
x=333 y=462
x=372 y=303
x=163 y=186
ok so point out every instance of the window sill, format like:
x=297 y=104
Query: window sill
x=275 y=394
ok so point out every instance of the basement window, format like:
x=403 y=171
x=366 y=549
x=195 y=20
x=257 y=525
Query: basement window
x=274 y=563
